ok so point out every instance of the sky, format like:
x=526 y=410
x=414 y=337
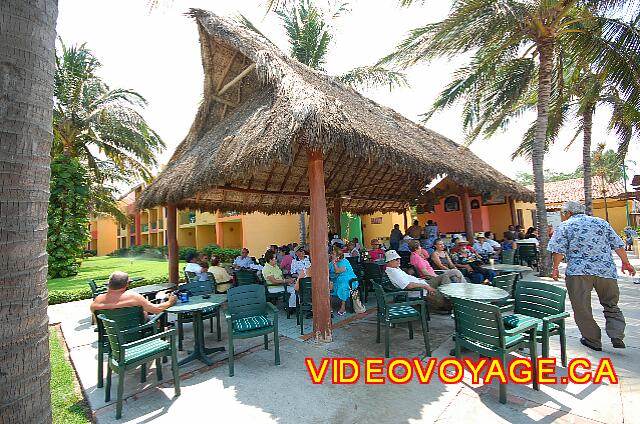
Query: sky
x=157 y=54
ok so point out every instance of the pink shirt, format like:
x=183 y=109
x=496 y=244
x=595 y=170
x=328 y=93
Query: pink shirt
x=375 y=254
x=420 y=263
x=285 y=263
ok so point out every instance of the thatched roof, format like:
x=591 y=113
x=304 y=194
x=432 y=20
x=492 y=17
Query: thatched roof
x=247 y=148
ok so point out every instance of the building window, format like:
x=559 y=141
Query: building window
x=534 y=220
x=520 y=217
x=451 y=204
x=475 y=204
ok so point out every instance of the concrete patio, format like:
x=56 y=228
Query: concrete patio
x=262 y=392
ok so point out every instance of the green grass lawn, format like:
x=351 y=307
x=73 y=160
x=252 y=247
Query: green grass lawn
x=100 y=267
x=66 y=402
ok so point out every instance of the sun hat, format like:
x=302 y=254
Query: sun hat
x=390 y=255
x=300 y=247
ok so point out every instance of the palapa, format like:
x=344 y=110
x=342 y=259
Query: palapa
x=262 y=111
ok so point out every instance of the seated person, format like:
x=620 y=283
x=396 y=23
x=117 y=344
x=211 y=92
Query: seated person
x=273 y=275
x=530 y=237
x=442 y=260
x=376 y=251
x=419 y=260
x=404 y=244
x=404 y=281
x=340 y=273
x=220 y=274
x=414 y=231
x=459 y=242
x=471 y=265
x=117 y=296
x=194 y=265
x=352 y=251
x=508 y=243
x=491 y=239
x=483 y=247
x=300 y=261
x=287 y=259
x=243 y=261
x=356 y=243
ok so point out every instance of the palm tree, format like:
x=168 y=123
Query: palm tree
x=608 y=166
x=27 y=50
x=310 y=33
x=514 y=58
x=100 y=126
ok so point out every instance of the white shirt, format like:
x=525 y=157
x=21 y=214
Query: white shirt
x=298 y=265
x=493 y=243
x=529 y=240
x=245 y=262
x=401 y=279
x=197 y=269
x=486 y=247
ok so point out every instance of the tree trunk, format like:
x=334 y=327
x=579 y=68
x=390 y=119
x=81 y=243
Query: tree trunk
x=587 y=117
x=27 y=66
x=545 y=50
x=302 y=227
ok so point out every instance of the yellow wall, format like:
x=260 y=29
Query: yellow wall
x=262 y=230
x=381 y=231
x=205 y=234
x=187 y=237
x=617 y=213
x=232 y=233
x=106 y=242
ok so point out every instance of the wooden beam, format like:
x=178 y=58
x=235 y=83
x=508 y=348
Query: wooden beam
x=226 y=70
x=512 y=209
x=318 y=235
x=223 y=101
x=468 y=218
x=237 y=79
x=337 y=208
x=172 y=243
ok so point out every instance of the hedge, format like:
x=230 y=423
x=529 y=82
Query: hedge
x=64 y=296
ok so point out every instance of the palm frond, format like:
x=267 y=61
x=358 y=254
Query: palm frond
x=365 y=77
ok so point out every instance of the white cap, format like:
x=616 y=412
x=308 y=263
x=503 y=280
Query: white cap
x=390 y=255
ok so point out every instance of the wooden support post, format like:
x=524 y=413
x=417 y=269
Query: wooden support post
x=219 y=230
x=337 y=208
x=172 y=243
x=138 y=227
x=406 y=221
x=468 y=218
x=318 y=246
x=512 y=209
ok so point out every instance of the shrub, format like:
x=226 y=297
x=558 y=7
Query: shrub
x=68 y=216
x=64 y=296
x=226 y=255
x=184 y=251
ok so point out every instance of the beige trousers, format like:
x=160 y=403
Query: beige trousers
x=579 y=288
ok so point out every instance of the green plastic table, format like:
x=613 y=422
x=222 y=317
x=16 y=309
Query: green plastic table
x=152 y=289
x=478 y=292
x=196 y=305
x=507 y=268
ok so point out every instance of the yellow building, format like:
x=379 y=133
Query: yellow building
x=102 y=229
x=608 y=199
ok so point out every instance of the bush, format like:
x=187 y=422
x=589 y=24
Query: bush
x=68 y=216
x=145 y=251
x=89 y=253
x=226 y=255
x=184 y=251
x=64 y=296
x=120 y=253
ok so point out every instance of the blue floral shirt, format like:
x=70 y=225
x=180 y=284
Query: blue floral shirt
x=587 y=242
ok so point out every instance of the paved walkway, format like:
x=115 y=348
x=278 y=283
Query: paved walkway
x=261 y=392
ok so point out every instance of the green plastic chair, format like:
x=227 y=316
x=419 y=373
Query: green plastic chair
x=372 y=272
x=479 y=328
x=127 y=354
x=391 y=313
x=247 y=317
x=303 y=301
x=96 y=289
x=275 y=296
x=528 y=254
x=243 y=277
x=198 y=288
x=128 y=318
x=545 y=302
x=505 y=282
x=508 y=257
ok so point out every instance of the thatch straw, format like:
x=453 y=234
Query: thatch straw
x=247 y=148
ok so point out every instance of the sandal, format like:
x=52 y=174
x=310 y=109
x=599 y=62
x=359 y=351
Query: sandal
x=341 y=313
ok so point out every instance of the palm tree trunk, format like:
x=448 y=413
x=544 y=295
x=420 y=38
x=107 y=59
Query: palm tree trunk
x=545 y=50
x=587 y=118
x=27 y=66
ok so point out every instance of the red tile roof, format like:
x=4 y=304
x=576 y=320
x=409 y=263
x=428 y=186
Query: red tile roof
x=573 y=189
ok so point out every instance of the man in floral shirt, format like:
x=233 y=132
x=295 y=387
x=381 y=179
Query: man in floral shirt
x=587 y=243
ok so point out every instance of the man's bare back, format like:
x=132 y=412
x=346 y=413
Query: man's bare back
x=115 y=299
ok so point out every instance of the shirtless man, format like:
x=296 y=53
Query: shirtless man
x=117 y=296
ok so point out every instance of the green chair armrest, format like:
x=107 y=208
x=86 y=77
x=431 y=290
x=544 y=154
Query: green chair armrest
x=556 y=317
x=167 y=333
x=227 y=316
x=155 y=318
x=521 y=329
x=275 y=312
